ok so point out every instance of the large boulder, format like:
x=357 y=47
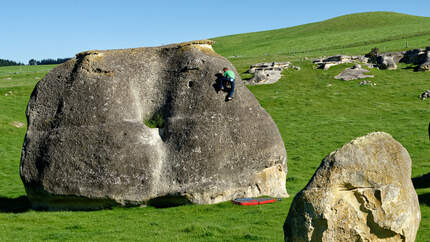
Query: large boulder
x=128 y=127
x=361 y=192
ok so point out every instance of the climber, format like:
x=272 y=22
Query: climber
x=230 y=77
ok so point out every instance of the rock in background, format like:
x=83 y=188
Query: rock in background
x=268 y=73
x=425 y=95
x=327 y=62
x=425 y=66
x=389 y=60
x=127 y=127
x=361 y=192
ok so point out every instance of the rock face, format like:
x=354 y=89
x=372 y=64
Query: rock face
x=353 y=73
x=268 y=73
x=361 y=192
x=126 y=127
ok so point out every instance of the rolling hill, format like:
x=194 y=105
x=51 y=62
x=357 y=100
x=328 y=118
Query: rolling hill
x=353 y=34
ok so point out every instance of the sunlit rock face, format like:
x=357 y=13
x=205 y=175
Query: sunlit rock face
x=361 y=192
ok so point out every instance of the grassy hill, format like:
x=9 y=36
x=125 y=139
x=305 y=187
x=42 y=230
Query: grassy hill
x=315 y=113
x=352 y=34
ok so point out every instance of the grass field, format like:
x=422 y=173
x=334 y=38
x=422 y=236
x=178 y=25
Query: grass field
x=314 y=118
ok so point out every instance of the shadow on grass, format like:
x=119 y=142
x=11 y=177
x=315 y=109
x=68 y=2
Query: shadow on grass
x=422 y=181
x=424 y=199
x=14 y=205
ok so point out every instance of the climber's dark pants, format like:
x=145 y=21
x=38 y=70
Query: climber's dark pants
x=226 y=79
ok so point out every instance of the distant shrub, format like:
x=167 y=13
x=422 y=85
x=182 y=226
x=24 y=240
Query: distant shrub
x=9 y=63
x=34 y=62
x=373 y=55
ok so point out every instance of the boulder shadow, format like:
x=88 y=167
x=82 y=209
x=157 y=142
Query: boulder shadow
x=422 y=181
x=424 y=199
x=14 y=205
x=168 y=201
x=414 y=68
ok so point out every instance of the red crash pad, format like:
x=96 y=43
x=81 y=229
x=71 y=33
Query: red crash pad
x=253 y=201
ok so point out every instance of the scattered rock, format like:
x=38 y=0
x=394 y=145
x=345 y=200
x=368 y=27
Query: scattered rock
x=17 y=124
x=8 y=93
x=327 y=62
x=90 y=144
x=353 y=73
x=361 y=192
x=425 y=95
x=268 y=73
x=389 y=60
x=367 y=83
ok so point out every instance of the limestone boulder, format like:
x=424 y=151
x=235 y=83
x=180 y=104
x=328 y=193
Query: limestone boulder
x=327 y=62
x=361 y=192
x=268 y=73
x=387 y=62
x=128 y=127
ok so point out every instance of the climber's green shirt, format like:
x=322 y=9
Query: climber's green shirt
x=229 y=74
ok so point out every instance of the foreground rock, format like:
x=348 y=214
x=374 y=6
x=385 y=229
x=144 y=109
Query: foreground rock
x=361 y=192
x=353 y=73
x=268 y=73
x=135 y=126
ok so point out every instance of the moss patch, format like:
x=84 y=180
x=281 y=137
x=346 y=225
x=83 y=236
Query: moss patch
x=156 y=121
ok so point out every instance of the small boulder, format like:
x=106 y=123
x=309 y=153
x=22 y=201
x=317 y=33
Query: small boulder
x=386 y=62
x=353 y=73
x=425 y=95
x=361 y=192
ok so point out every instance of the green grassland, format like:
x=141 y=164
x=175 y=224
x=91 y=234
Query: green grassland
x=315 y=114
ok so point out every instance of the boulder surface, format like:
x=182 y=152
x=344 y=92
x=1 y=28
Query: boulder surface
x=361 y=192
x=128 y=127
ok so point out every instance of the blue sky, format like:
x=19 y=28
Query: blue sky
x=56 y=29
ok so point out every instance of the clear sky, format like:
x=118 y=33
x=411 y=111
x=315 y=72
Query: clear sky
x=57 y=29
